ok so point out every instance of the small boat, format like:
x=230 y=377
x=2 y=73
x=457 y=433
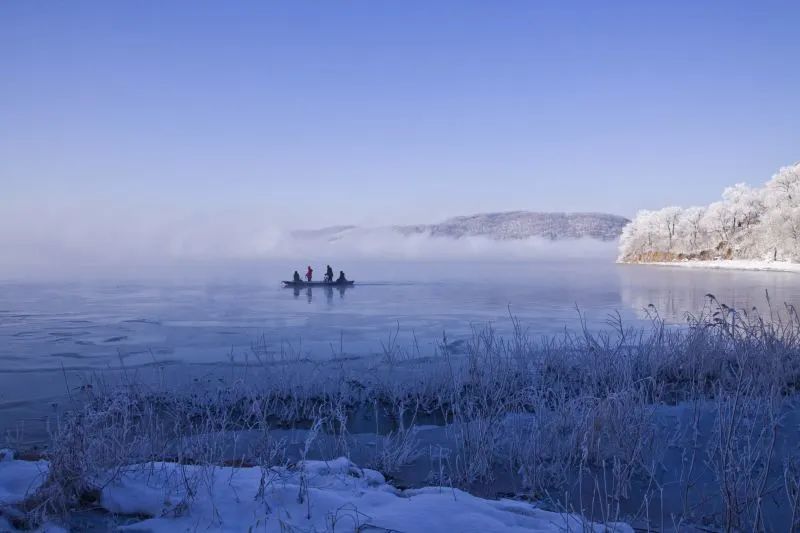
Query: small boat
x=347 y=283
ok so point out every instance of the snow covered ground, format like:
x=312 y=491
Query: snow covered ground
x=734 y=264
x=319 y=496
x=18 y=478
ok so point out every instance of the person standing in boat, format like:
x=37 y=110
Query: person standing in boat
x=309 y=273
x=341 y=279
x=329 y=274
x=296 y=277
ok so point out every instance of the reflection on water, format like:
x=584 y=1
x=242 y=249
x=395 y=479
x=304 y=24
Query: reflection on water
x=44 y=326
x=309 y=292
x=676 y=291
x=92 y=326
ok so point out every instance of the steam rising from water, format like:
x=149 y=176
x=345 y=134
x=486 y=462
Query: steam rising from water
x=58 y=246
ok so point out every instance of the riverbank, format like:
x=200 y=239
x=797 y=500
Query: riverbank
x=729 y=264
x=311 y=496
x=614 y=427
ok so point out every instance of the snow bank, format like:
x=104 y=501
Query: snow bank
x=733 y=264
x=316 y=496
x=18 y=479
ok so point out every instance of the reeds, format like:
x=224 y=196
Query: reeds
x=576 y=421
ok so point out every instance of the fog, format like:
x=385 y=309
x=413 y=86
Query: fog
x=117 y=245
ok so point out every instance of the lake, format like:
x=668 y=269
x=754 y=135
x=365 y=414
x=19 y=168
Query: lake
x=52 y=332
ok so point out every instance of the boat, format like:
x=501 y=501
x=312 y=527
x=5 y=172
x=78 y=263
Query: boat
x=299 y=284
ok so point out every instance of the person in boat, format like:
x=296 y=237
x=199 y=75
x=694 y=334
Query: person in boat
x=296 y=277
x=341 y=278
x=309 y=273
x=329 y=274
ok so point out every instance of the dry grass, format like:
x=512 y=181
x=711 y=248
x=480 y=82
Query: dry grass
x=572 y=420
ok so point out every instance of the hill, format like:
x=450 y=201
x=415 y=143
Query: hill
x=513 y=225
x=525 y=224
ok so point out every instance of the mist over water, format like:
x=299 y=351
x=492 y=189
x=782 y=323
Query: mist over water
x=211 y=317
x=199 y=315
x=119 y=244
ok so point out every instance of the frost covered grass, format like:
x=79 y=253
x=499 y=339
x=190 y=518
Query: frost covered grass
x=659 y=428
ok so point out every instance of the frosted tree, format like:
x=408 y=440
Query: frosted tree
x=781 y=219
x=691 y=230
x=640 y=236
x=719 y=219
x=668 y=219
x=745 y=204
x=746 y=223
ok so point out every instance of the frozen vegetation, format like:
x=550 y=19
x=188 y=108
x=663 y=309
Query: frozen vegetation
x=746 y=224
x=670 y=428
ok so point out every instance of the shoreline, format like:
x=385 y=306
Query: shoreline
x=727 y=264
x=311 y=495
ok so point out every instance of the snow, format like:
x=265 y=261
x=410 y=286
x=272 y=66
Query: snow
x=525 y=224
x=733 y=264
x=337 y=493
x=18 y=478
x=331 y=495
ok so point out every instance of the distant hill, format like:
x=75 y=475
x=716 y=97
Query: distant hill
x=331 y=232
x=513 y=225
x=525 y=224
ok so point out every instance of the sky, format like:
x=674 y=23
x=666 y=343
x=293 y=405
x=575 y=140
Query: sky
x=239 y=116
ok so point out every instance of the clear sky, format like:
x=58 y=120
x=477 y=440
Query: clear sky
x=373 y=112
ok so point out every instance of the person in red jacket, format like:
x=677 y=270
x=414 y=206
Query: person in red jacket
x=309 y=273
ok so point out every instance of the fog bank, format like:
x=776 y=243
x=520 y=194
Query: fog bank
x=110 y=245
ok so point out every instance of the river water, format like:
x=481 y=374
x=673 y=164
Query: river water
x=51 y=332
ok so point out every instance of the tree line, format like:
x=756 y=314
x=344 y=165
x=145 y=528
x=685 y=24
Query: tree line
x=747 y=223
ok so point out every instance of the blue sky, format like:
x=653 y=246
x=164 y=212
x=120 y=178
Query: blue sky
x=314 y=113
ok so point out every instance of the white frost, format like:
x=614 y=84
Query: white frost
x=734 y=264
x=747 y=223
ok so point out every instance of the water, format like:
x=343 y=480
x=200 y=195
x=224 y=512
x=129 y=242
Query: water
x=52 y=332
